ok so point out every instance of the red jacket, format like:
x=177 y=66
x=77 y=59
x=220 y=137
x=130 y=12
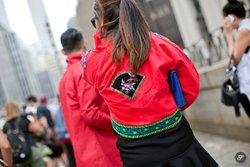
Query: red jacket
x=87 y=119
x=147 y=98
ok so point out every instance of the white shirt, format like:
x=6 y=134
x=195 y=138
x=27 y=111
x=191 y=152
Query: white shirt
x=244 y=65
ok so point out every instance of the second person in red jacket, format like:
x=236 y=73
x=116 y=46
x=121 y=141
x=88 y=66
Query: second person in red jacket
x=86 y=116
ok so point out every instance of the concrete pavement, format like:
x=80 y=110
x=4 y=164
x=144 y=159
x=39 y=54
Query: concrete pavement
x=223 y=150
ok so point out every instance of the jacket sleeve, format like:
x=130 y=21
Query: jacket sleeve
x=187 y=74
x=189 y=78
x=72 y=95
x=93 y=110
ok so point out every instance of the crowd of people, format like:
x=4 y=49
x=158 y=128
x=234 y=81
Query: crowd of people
x=117 y=107
x=33 y=137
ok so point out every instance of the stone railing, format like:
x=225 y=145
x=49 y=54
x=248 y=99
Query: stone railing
x=209 y=49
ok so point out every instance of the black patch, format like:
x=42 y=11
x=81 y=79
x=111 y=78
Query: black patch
x=127 y=84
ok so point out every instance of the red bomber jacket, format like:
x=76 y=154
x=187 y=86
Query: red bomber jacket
x=147 y=97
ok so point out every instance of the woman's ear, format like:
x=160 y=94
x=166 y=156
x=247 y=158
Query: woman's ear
x=99 y=23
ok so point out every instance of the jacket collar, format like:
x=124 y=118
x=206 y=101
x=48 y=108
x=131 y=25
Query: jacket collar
x=73 y=58
x=101 y=42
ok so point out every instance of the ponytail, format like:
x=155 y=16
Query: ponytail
x=132 y=37
x=128 y=29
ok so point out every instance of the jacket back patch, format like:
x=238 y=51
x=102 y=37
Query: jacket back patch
x=127 y=84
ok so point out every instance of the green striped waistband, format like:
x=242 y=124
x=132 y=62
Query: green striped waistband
x=143 y=131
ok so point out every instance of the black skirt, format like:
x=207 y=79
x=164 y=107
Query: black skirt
x=176 y=147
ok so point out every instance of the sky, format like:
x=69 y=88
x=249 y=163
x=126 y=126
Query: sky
x=59 y=12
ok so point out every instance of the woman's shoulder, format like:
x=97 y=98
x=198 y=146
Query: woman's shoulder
x=162 y=44
x=92 y=57
x=156 y=37
x=91 y=62
x=159 y=40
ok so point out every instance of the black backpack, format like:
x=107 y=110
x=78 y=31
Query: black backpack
x=21 y=150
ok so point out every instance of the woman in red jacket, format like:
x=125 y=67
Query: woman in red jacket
x=130 y=67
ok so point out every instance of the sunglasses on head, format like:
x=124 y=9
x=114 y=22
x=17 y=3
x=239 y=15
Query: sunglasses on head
x=93 y=21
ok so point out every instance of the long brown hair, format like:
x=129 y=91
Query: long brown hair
x=127 y=27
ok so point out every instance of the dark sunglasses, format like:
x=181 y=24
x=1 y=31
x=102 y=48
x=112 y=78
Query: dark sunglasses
x=93 y=21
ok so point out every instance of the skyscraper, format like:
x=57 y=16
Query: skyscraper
x=3 y=16
x=46 y=87
x=16 y=79
x=46 y=45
